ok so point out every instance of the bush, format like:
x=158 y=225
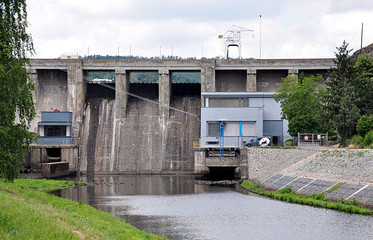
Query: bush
x=357 y=140
x=368 y=139
x=289 y=143
x=364 y=125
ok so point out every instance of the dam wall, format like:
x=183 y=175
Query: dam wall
x=141 y=149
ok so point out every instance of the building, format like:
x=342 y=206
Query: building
x=55 y=128
x=229 y=119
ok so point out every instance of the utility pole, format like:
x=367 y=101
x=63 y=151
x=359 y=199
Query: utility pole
x=260 y=36
x=361 y=43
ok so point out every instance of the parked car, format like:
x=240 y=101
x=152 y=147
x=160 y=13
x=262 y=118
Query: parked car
x=259 y=141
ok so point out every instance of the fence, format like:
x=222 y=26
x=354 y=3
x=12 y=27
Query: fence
x=312 y=140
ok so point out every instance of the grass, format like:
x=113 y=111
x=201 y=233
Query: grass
x=27 y=211
x=335 y=187
x=316 y=200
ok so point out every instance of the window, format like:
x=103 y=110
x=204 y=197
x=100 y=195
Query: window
x=232 y=129
x=55 y=131
x=213 y=129
x=228 y=102
x=248 y=129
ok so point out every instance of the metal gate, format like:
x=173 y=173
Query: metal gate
x=312 y=140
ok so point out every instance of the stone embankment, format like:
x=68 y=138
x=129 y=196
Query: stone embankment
x=338 y=173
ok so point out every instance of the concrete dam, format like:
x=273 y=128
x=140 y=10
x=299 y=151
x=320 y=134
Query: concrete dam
x=132 y=127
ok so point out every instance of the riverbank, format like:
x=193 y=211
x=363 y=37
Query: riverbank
x=338 y=174
x=27 y=211
x=315 y=200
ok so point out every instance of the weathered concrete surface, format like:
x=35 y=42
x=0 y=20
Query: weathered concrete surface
x=140 y=144
x=316 y=172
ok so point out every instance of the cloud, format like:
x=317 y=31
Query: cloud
x=290 y=29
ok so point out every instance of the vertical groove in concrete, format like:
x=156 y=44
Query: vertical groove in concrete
x=94 y=108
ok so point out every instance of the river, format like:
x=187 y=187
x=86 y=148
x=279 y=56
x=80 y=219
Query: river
x=173 y=207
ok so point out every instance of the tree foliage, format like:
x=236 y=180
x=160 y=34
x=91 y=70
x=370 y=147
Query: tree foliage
x=365 y=124
x=300 y=102
x=364 y=83
x=16 y=102
x=342 y=99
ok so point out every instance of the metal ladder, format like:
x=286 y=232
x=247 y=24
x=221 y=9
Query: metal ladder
x=221 y=139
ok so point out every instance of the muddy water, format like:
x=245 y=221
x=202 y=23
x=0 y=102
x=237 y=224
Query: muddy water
x=171 y=206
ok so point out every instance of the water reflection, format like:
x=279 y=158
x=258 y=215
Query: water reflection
x=172 y=207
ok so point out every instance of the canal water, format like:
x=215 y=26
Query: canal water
x=174 y=207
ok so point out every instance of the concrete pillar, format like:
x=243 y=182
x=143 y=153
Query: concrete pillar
x=122 y=80
x=76 y=94
x=251 y=80
x=207 y=77
x=164 y=87
x=293 y=72
x=164 y=93
x=200 y=162
x=34 y=78
x=121 y=88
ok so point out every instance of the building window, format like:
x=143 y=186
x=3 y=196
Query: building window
x=248 y=129
x=213 y=129
x=228 y=102
x=54 y=131
x=232 y=129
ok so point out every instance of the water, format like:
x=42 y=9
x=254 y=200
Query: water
x=172 y=207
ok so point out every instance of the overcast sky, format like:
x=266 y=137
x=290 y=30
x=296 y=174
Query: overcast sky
x=190 y=28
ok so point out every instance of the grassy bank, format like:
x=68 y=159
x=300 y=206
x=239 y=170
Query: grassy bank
x=316 y=200
x=27 y=211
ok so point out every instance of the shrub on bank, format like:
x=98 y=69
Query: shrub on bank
x=364 y=125
x=357 y=141
x=368 y=140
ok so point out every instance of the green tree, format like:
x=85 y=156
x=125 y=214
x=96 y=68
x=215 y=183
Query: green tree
x=364 y=125
x=364 y=83
x=300 y=102
x=341 y=101
x=16 y=102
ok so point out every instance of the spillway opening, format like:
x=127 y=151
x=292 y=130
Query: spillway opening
x=100 y=84
x=230 y=80
x=186 y=84
x=144 y=84
x=222 y=173
x=270 y=80
x=54 y=154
